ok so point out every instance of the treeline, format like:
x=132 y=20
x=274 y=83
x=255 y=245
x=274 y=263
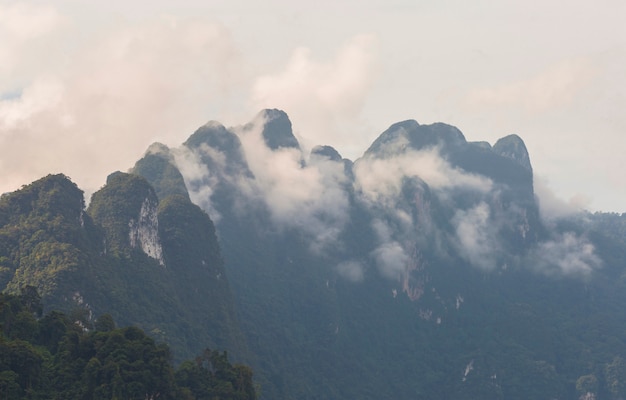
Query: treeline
x=56 y=356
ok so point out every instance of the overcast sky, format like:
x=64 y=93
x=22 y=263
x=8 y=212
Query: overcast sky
x=85 y=88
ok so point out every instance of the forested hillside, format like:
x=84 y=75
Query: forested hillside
x=152 y=264
x=51 y=357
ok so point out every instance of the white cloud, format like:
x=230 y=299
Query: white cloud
x=551 y=207
x=25 y=21
x=35 y=100
x=310 y=197
x=567 y=254
x=101 y=101
x=476 y=236
x=198 y=178
x=322 y=95
x=380 y=179
x=28 y=32
x=556 y=86
x=391 y=259
x=351 y=270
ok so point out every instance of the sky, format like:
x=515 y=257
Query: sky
x=85 y=88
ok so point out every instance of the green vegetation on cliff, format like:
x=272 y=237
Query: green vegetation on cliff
x=150 y=264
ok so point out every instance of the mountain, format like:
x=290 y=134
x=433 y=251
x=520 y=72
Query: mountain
x=423 y=269
x=154 y=264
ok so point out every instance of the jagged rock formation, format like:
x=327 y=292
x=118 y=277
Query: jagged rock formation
x=327 y=152
x=220 y=149
x=513 y=147
x=144 y=231
x=277 y=131
x=127 y=210
x=158 y=167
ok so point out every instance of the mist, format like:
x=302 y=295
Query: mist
x=566 y=254
x=100 y=99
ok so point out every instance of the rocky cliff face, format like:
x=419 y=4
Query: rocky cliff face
x=127 y=210
x=144 y=231
x=277 y=132
x=513 y=147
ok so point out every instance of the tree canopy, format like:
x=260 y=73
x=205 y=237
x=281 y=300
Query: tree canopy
x=55 y=357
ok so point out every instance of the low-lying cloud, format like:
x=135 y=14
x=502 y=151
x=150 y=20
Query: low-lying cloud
x=199 y=180
x=310 y=197
x=353 y=271
x=476 y=236
x=380 y=183
x=551 y=207
x=391 y=259
x=566 y=254
x=380 y=180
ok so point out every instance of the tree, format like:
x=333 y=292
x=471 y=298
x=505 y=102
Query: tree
x=615 y=377
x=587 y=384
x=105 y=323
x=211 y=376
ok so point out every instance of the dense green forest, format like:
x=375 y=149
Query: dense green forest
x=53 y=356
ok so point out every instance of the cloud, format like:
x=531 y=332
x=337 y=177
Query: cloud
x=566 y=254
x=100 y=100
x=380 y=184
x=476 y=236
x=41 y=95
x=199 y=180
x=351 y=270
x=551 y=207
x=311 y=197
x=322 y=95
x=27 y=33
x=554 y=87
x=391 y=259
x=380 y=180
x=25 y=21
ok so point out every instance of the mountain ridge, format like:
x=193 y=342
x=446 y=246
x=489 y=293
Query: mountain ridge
x=423 y=269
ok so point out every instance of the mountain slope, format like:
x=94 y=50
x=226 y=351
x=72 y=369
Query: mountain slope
x=128 y=255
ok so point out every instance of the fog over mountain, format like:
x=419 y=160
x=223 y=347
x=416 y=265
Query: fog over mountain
x=264 y=164
x=428 y=267
x=426 y=231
